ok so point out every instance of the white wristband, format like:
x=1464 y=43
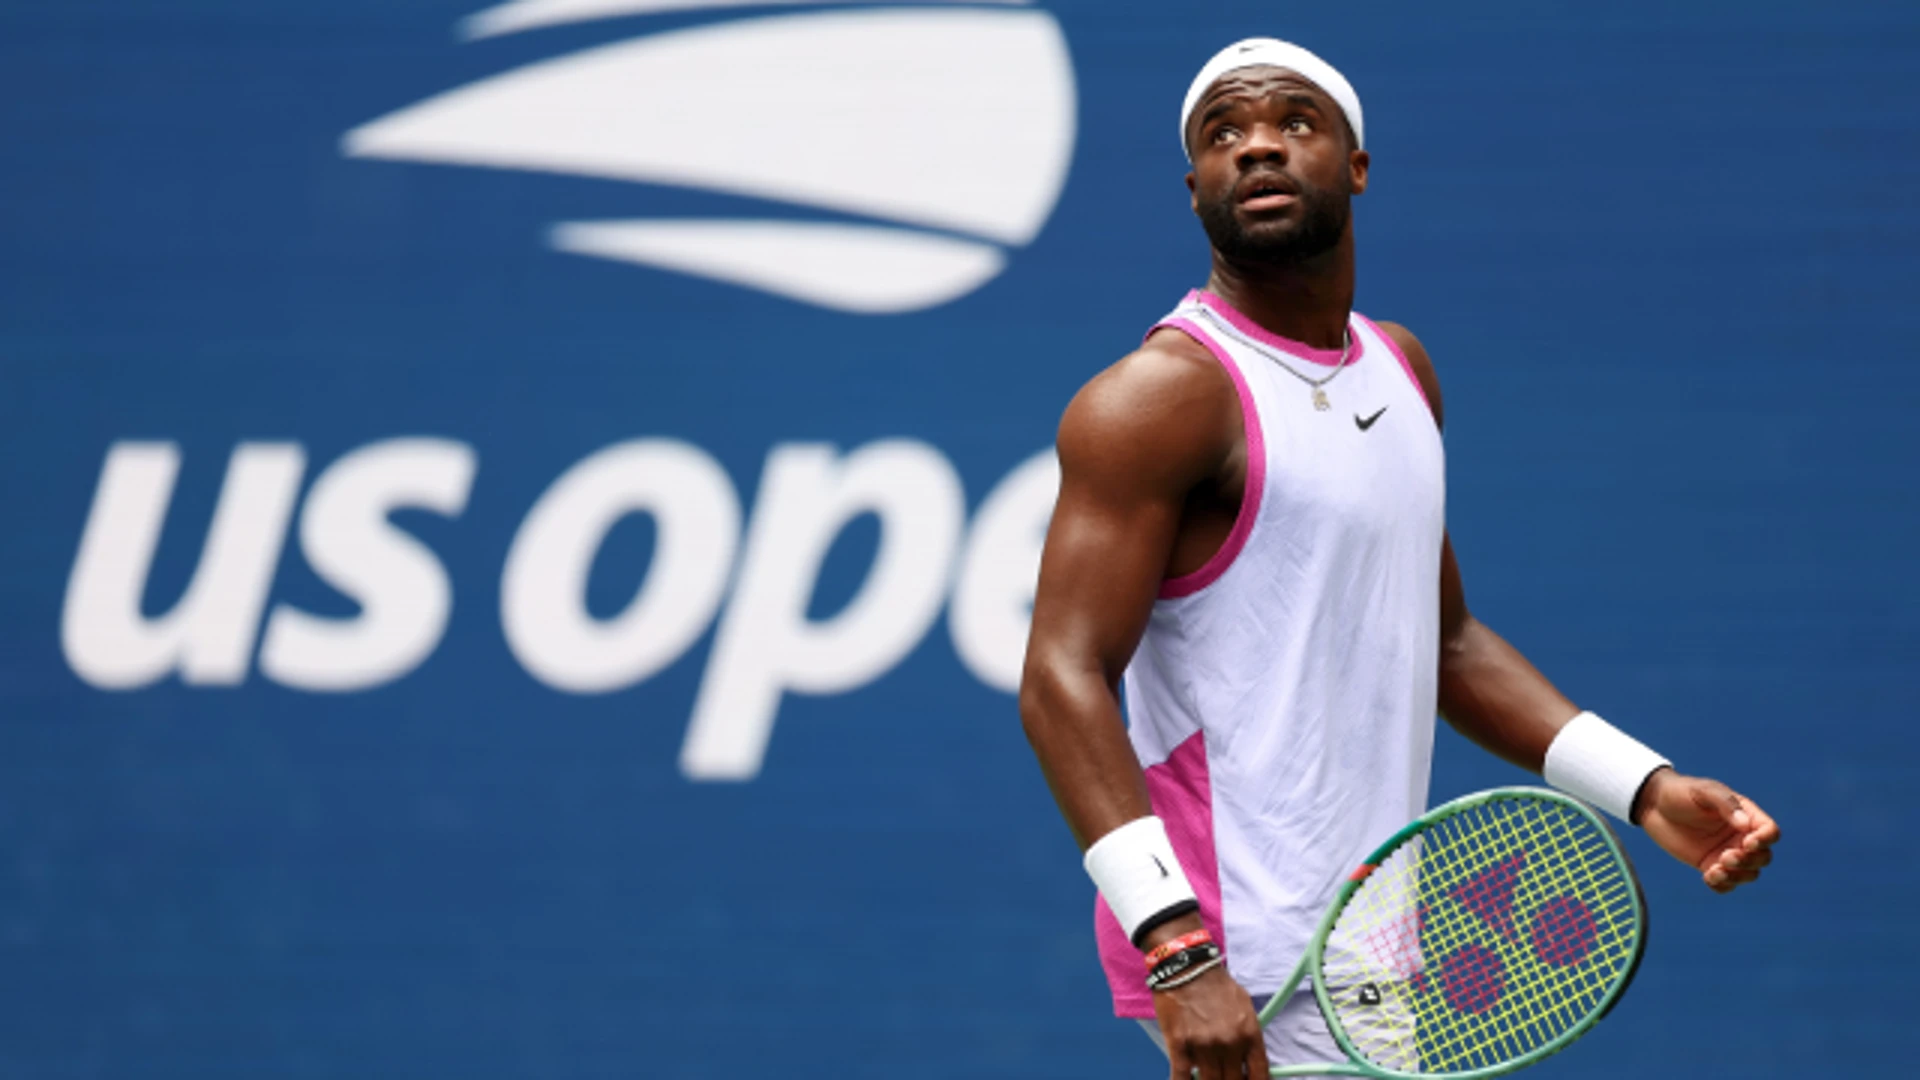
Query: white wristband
x=1594 y=761
x=1135 y=870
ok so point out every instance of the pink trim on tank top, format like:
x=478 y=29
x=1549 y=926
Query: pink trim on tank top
x=1181 y=791
x=1299 y=350
x=1394 y=347
x=1210 y=571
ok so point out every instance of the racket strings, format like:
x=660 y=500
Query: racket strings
x=1486 y=936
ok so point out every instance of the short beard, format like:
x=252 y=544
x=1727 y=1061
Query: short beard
x=1322 y=224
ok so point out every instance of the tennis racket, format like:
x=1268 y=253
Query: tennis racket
x=1485 y=936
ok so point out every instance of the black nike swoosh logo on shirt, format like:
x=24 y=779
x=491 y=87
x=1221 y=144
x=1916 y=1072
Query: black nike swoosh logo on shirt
x=1368 y=422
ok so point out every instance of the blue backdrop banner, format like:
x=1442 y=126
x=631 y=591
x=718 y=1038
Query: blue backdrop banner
x=521 y=520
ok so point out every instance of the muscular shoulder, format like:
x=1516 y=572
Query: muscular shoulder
x=1164 y=415
x=1422 y=365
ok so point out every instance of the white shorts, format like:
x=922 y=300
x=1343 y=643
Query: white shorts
x=1297 y=1036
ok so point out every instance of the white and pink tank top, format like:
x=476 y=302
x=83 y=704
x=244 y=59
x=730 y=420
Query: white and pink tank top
x=1282 y=699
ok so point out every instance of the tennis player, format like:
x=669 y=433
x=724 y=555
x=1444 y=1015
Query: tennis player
x=1251 y=538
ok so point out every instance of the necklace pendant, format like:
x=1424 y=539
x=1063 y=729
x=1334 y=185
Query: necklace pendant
x=1320 y=400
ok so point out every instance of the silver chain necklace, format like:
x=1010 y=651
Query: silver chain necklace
x=1320 y=402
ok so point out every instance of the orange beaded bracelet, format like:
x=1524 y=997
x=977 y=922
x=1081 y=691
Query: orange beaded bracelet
x=1185 y=941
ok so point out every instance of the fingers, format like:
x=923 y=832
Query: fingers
x=1737 y=866
x=1245 y=1057
x=1721 y=882
x=1737 y=857
x=1257 y=1067
x=1750 y=852
x=1211 y=1061
x=1180 y=1065
x=1762 y=832
x=1235 y=1053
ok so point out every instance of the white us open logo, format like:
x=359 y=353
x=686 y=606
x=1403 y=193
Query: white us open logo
x=949 y=127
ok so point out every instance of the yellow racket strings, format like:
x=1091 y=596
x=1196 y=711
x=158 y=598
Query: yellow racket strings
x=1485 y=937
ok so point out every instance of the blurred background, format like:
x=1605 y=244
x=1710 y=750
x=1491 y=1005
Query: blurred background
x=519 y=520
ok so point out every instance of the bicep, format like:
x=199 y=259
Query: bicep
x=1133 y=445
x=1105 y=555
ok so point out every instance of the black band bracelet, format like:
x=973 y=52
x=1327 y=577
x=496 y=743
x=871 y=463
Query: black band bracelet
x=1173 y=967
x=1161 y=918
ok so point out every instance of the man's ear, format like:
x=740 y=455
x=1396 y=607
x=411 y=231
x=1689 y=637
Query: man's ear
x=1193 y=193
x=1357 y=163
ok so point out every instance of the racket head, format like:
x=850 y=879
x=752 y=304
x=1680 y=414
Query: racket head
x=1488 y=934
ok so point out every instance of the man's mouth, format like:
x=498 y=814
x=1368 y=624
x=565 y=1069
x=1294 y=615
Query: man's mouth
x=1267 y=194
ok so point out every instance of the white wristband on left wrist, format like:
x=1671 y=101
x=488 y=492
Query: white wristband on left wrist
x=1137 y=873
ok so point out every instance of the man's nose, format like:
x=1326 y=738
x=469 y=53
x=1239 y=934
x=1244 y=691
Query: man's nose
x=1263 y=143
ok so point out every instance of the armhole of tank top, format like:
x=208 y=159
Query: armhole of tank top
x=1406 y=366
x=1210 y=571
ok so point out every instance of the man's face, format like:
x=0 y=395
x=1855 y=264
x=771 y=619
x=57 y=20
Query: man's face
x=1274 y=169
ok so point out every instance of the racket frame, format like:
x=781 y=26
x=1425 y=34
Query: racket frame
x=1310 y=966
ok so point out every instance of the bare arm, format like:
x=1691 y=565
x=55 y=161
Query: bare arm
x=1491 y=694
x=1137 y=445
x=1488 y=691
x=1134 y=444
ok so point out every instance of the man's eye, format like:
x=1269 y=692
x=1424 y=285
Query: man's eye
x=1224 y=133
x=1298 y=125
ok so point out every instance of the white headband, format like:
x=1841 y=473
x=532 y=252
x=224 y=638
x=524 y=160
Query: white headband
x=1272 y=52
